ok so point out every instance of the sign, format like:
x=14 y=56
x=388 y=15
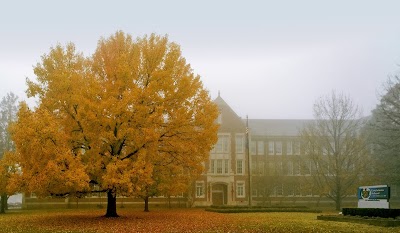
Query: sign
x=373 y=196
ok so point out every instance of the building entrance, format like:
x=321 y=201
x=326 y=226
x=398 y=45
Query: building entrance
x=219 y=194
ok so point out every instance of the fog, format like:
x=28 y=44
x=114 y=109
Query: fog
x=269 y=60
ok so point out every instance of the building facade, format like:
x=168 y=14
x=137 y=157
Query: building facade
x=280 y=171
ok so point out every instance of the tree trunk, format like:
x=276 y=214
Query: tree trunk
x=338 y=202
x=3 y=203
x=146 y=204
x=6 y=201
x=111 y=204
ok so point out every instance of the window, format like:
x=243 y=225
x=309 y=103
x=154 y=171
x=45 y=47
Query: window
x=314 y=166
x=222 y=145
x=271 y=168
x=296 y=168
x=271 y=148
x=279 y=190
x=278 y=148
x=290 y=168
x=213 y=149
x=306 y=167
x=239 y=143
x=332 y=148
x=307 y=191
x=253 y=167
x=240 y=189
x=254 y=192
x=219 y=119
x=279 y=168
x=219 y=166
x=289 y=148
x=297 y=190
x=252 y=148
x=260 y=148
x=347 y=165
x=261 y=167
x=239 y=166
x=330 y=170
x=324 y=150
x=297 y=148
x=199 y=189
x=289 y=190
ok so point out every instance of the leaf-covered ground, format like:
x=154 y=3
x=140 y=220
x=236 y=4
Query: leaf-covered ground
x=182 y=220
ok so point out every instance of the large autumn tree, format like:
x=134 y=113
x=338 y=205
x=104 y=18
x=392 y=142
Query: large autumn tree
x=337 y=147
x=113 y=119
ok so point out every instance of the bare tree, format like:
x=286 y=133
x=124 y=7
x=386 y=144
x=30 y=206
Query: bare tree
x=336 y=146
x=8 y=114
x=384 y=136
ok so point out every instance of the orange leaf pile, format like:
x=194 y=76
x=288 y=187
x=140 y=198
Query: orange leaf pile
x=165 y=220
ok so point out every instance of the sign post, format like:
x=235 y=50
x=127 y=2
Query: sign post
x=373 y=196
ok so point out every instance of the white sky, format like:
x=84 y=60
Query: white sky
x=269 y=59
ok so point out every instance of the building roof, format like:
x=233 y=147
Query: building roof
x=258 y=127
x=262 y=127
x=276 y=127
x=230 y=121
x=224 y=106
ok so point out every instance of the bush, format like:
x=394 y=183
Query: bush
x=372 y=212
x=258 y=207
x=258 y=210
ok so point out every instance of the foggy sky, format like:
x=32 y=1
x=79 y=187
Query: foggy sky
x=269 y=60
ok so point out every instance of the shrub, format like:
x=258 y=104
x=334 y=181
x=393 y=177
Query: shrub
x=258 y=210
x=372 y=212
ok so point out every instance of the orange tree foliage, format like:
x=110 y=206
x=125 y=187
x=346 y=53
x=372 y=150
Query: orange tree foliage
x=112 y=119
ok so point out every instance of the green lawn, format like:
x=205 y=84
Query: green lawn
x=176 y=220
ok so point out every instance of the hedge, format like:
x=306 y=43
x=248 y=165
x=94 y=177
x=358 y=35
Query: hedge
x=372 y=212
x=258 y=210
x=258 y=207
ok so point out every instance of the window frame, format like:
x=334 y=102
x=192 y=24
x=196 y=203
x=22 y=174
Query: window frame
x=253 y=148
x=240 y=189
x=278 y=144
x=289 y=148
x=200 y=187
x=219 y=167
x=260 y=148
x=239 y=138
x=239 y=167
x=271 y=147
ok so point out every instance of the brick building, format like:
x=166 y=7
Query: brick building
x=280 y=172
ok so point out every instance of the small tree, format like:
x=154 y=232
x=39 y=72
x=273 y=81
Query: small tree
x=336 y=146
x=266 y=186
x=8 y=111
x=109 y=118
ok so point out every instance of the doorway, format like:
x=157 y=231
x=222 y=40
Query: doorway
x=219 y=194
